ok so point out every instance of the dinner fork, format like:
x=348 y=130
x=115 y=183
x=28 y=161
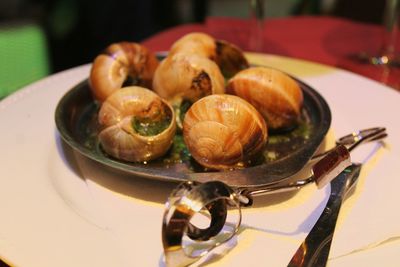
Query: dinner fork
x=314 y=250
x=355 y=139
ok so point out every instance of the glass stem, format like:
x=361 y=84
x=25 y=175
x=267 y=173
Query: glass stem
x=256 y=25
x=391 y=27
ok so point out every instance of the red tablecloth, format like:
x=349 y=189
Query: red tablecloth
x=322 y=39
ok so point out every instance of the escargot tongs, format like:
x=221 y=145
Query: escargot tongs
x=215 y=197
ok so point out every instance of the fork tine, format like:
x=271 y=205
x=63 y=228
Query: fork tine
x=362 y=134
x=378 y=134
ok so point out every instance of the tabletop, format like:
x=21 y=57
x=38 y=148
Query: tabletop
x=324 y=39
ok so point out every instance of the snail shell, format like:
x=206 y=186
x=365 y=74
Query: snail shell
x=119 y=63
x=274 y=94
x=197 y=43
x=187 y=77
x=224 y=132
x=228 y=56
x=118 y=114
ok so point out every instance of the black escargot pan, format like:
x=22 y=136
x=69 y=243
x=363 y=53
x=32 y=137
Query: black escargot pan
x=285 y=154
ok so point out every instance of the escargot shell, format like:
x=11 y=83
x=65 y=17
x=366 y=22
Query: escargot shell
x=197 y=43
x=226 y=55
x=224 y=132
x=187 y=77
x=119 y=64
x=274 y=94
x=137 y=125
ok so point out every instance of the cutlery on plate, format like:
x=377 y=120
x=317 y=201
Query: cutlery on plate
x=354 y=139
x=350 y=141
x=191 y=198
x=215 y=196
x=315 y=248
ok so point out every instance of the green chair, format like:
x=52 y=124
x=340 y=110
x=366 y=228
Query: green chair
x=23 y=56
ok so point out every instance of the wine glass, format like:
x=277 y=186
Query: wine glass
x=388 y=55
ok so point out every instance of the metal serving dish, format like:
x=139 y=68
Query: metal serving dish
x=285 y=153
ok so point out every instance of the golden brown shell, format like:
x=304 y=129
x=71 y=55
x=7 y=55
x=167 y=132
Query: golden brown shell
x=118 y=136
x=227 y=56
x=187 y=77
x=118 y=63
x=197 y=43
x=274 y=94
x=224 y=132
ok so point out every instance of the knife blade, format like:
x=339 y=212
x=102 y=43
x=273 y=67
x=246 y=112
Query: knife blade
x=314 y=250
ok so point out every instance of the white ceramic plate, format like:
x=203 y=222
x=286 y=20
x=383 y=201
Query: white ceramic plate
x=58 y=208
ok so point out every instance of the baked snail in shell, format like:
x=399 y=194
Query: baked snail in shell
x=121 y=64
x=182 y=79
x=137 y=125
x=224 y=132
x=187 y=76
x=228 y=56
x=273 y=93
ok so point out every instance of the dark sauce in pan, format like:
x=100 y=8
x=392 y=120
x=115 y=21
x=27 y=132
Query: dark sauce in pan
x=279 y=144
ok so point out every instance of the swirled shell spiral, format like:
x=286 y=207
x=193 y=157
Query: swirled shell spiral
x=224 y=132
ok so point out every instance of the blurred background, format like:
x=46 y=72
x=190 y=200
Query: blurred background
x=53 y=35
